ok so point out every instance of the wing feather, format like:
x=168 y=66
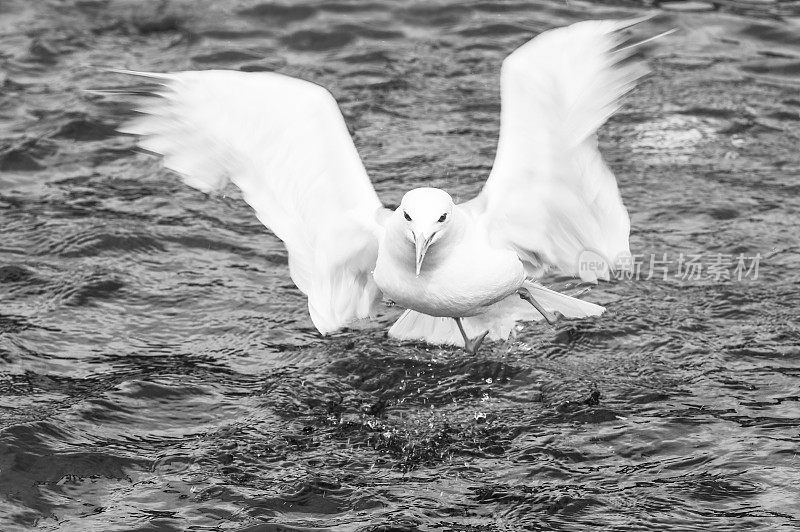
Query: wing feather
x=284 y=143
x=550 y=195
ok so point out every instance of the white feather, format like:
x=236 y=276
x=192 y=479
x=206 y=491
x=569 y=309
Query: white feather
x=499 y=319
x=550 y=195
x=284 y=143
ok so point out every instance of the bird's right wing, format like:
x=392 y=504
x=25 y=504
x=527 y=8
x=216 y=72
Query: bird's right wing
x=284 y=143
x=550 y=196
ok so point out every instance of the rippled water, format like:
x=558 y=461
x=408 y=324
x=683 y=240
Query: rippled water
x=159 y=369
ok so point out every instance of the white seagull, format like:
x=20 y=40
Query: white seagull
x=456 y=268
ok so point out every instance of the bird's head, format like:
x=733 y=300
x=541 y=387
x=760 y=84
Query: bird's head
x=426 y=214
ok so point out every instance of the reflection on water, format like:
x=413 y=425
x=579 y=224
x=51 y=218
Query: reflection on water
x=160 y=371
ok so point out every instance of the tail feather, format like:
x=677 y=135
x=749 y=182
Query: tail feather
x=413 y=325
x=499 y=319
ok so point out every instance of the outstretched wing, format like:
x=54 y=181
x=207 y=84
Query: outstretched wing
x=550 y=195
x=284 y=143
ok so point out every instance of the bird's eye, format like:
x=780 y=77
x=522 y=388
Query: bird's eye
x=442 y=217
x=407 y=216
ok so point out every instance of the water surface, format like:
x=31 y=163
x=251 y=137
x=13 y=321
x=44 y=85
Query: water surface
x=159 y=369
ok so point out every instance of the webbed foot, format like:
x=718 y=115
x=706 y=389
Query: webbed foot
x=548 y=316
x=471 y=346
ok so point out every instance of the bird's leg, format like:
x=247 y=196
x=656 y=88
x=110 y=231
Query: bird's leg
x=549 y=316
x=470 y=346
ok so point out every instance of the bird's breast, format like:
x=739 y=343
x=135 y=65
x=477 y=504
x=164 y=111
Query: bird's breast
x=463 y=282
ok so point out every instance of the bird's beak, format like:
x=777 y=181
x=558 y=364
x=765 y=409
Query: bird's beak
x=421 y=243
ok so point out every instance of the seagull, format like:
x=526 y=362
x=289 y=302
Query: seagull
x=463 y=271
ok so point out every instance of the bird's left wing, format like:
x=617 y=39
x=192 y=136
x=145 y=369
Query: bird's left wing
x=550 y=196
x=284 y=143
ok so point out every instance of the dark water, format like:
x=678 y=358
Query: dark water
x=160 y=372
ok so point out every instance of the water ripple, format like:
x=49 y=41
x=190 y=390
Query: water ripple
x=160 y=371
